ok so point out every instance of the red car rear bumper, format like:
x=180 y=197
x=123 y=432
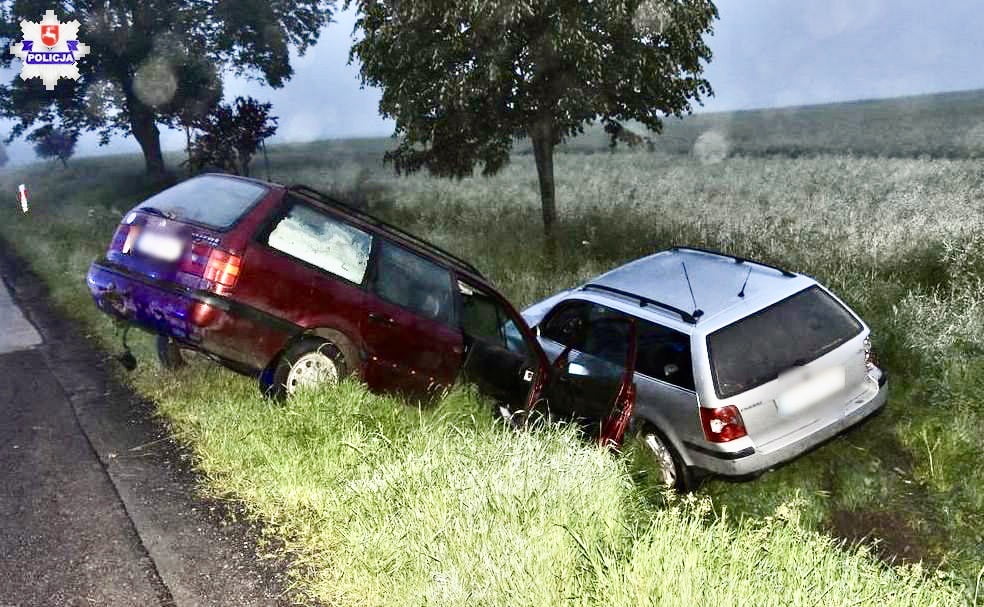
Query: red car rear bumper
x=198 y=318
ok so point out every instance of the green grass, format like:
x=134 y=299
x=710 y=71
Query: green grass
x=382 y=503
x=385 y=504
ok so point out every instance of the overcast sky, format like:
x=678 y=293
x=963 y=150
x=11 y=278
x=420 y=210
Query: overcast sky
x=767 y=53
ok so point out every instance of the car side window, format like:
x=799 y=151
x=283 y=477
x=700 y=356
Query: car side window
x=482 y=317
x=563 y=324
x=664 y=354
x=322 y=240
x=604 y=347
x=599 y=337
x=408 y=280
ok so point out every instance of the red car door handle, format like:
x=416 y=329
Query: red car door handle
x=381 y=319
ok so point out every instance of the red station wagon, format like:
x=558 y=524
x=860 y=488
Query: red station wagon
x=296 y=288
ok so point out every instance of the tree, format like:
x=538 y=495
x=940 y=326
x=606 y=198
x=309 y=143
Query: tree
x=4 y=158
x=462 y=80
x=50 y=142
x=231 y=135
x=156 y=62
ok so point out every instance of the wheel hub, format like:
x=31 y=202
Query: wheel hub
x=312 y=369
x=663 y=458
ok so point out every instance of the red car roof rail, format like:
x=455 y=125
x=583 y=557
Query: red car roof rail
x=379 y=223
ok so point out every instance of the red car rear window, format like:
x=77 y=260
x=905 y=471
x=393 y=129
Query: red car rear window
x=210 y=200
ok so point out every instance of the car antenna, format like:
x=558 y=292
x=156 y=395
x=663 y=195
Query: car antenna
x=741 y=293
x=697 y=311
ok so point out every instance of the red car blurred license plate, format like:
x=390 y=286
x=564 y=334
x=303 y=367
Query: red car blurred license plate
x=160 y=246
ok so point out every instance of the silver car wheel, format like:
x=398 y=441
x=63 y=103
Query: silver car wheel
x=312 y=369
x=664 y=459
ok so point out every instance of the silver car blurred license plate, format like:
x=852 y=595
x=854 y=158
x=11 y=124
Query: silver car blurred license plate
x=160 y=246
x=811 y=391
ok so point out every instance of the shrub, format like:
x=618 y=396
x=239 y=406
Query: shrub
x=50 y=142
x=230 y=135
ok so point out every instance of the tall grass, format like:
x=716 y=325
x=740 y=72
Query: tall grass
x=385 y=504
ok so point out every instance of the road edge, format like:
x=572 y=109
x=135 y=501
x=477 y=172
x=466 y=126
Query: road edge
x=118 y=423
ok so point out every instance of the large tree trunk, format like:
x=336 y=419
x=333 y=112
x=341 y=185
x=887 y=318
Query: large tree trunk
x=543 y=149
x=144 y=127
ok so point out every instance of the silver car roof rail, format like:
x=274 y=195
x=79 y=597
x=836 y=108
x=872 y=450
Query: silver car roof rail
x=736 y=259
x=687 y=317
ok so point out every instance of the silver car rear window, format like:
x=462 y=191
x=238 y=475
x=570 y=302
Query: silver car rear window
x=210 y=200
x=792 y=332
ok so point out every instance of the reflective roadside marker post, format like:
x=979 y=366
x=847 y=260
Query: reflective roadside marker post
x=22 y=196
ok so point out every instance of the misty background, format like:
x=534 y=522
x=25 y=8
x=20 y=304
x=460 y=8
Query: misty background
x=767 y=53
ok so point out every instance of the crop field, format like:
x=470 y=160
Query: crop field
x=946 y=125
x=384 y=503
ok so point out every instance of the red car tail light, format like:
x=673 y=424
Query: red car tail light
x=222 y=268
x=722 y=424
x=125 y=238
x=195 y=259
x=218 y=267
x=117 y=243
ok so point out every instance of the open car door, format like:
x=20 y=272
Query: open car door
x=593 y=378
x=591 y=381
x=502 y=356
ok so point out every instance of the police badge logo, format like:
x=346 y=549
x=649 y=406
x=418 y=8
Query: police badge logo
x=49 y=50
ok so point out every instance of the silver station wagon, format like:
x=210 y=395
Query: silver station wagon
x=739 y=366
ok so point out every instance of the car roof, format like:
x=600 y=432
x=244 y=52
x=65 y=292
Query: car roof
x=656 y=287
x=413 y=242
x=265 y=184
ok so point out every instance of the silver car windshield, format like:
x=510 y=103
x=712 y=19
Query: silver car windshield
x=790 y=333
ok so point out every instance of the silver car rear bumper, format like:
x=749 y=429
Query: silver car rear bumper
x=751 y=461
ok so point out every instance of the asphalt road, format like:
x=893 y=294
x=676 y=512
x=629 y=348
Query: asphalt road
x=65 y=537
x=97 y=505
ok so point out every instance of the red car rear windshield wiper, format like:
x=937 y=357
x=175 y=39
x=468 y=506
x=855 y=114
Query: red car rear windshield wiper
x=155 y=211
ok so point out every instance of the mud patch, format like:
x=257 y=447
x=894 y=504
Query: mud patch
x=891 y=535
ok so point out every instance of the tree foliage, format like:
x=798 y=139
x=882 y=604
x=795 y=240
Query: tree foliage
x=463 y=79
x=156 y=62
x=51 y=142
x=231 y=135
